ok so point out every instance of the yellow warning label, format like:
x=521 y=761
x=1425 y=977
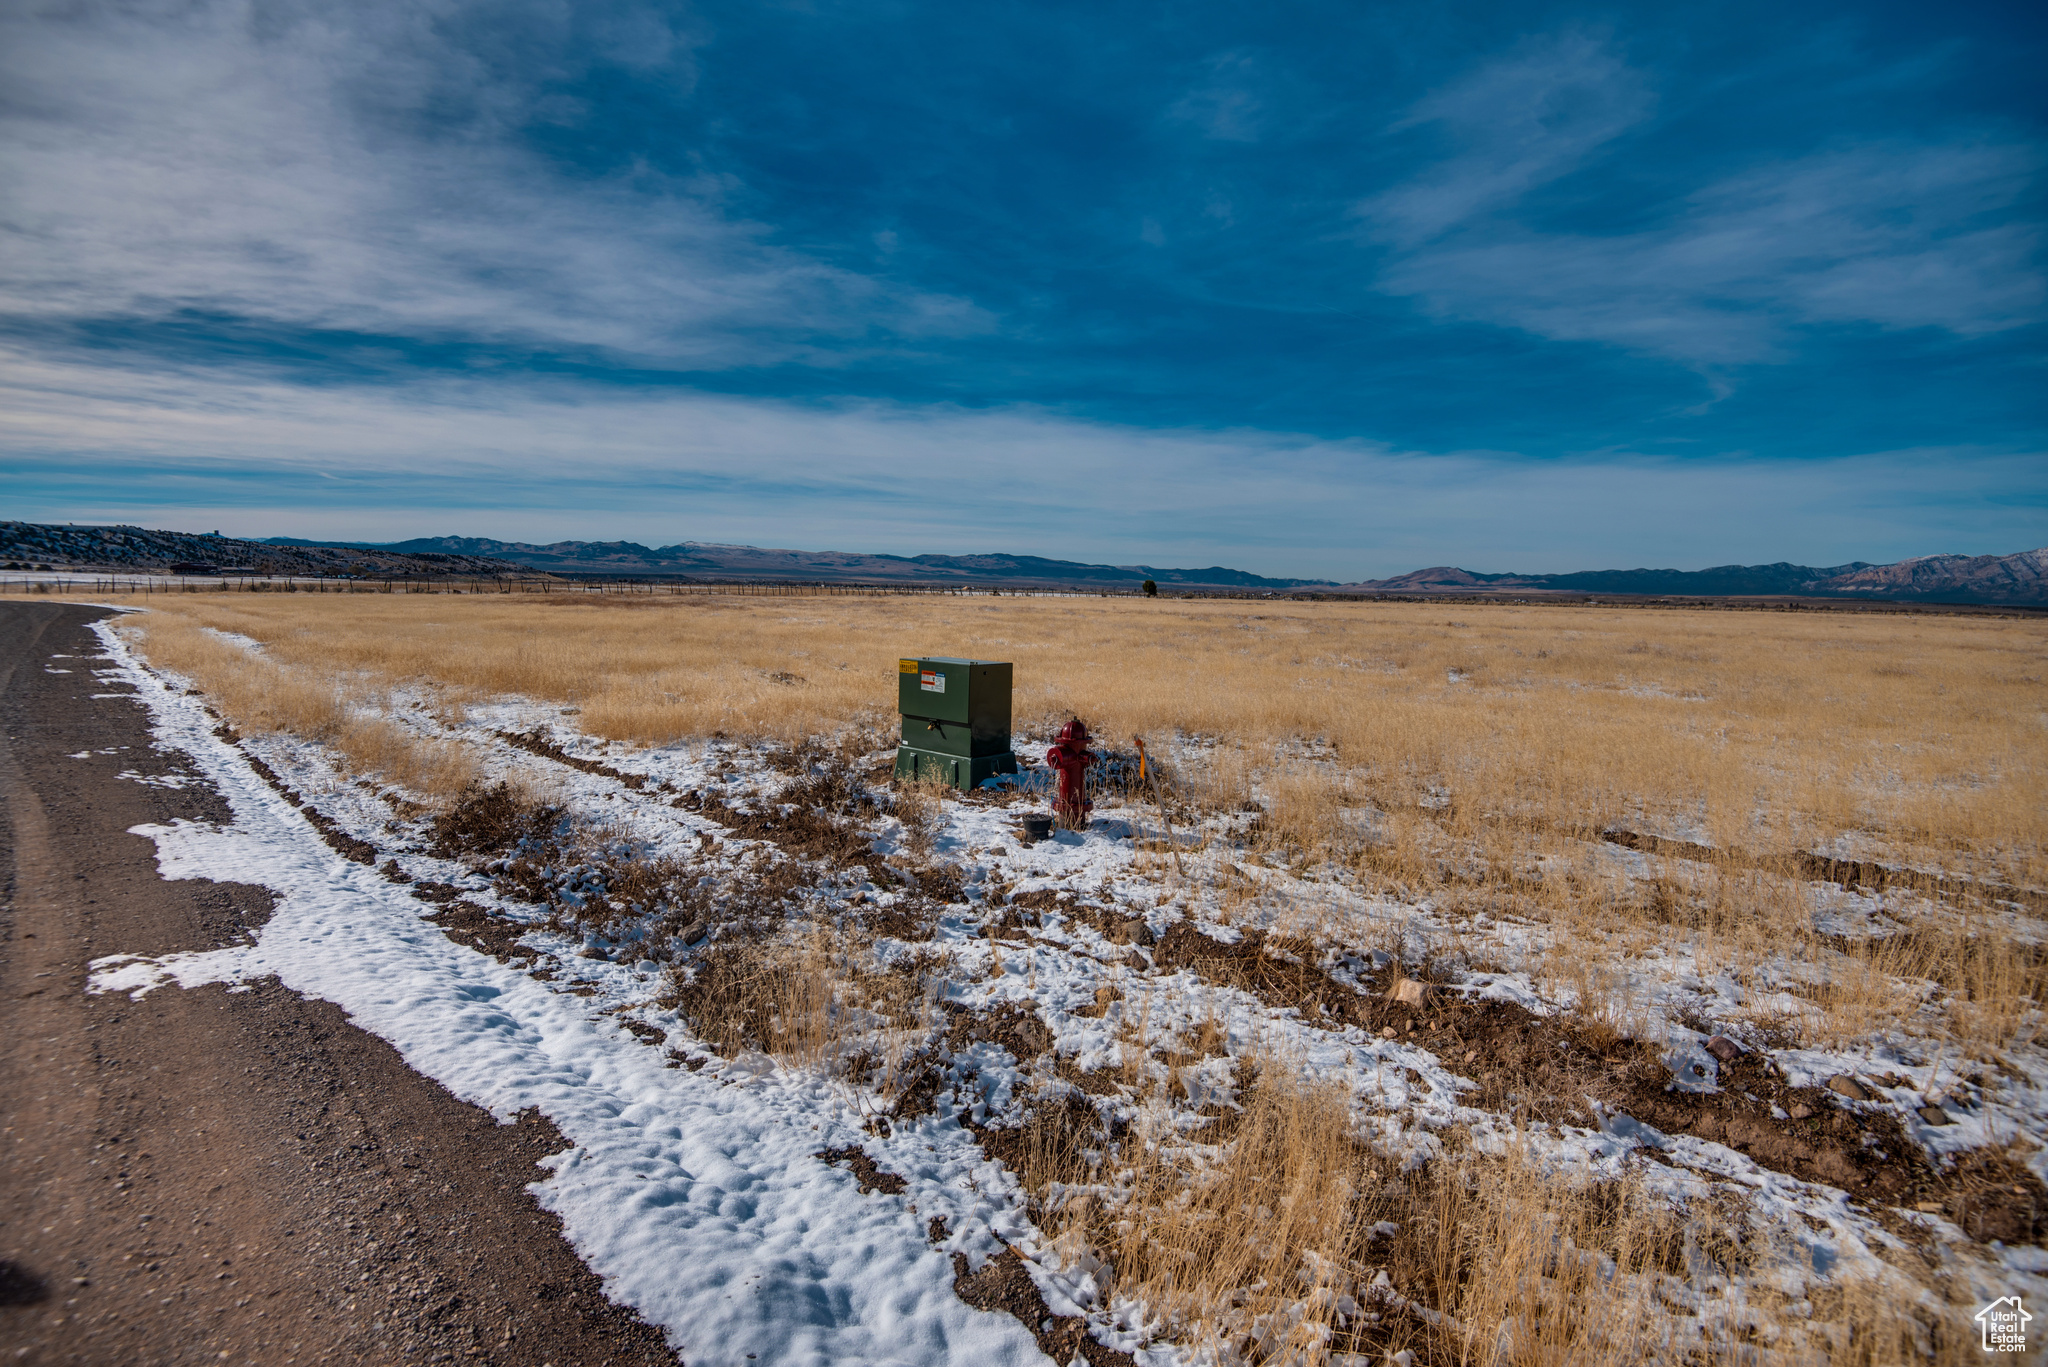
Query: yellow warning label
x=906 y=666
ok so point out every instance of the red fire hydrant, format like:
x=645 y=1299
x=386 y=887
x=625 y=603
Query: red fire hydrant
x=1071 y=756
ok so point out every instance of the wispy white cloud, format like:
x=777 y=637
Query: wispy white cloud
x=562 y=460
x=1516 y=123
x=356 y=167
x=1892 y=234
x=1224 y=104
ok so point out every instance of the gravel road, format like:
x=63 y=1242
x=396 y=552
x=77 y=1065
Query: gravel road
x=215 y=1176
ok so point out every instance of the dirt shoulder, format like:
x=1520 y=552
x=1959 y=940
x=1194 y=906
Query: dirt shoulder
x=226 y=1176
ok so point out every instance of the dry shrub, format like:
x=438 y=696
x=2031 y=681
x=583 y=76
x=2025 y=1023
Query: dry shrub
x=1532 y=1267
x=1060 y=1144
x=1608 y=996
x=1218 y=1241
x=1402 y=851
x=820 y=1000
x=1863 y=1322
x=1267 y=1234
x=776 y=998
x=1989 y=987
x=1306 y=811
x=1217 y=780
x=1996 y=986
x=484 y=820
x=921 y=807
x=436 y=769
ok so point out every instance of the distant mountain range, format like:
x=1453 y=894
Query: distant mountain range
x=700 y=558
x=2020 y=579
x=29 y=544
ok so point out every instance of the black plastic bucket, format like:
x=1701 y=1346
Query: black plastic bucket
x=1037 y=827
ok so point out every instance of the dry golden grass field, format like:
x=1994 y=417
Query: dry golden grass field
x=1830 y=829
x=1923 y=736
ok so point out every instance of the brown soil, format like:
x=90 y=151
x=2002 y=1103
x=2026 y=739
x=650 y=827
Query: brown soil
x=912 y=921
x=1548 y=1068
x=1051 y=1145
x=1093 y=1081
x=1119 y=925
x=1004 y=1285
x=1015 y=1027
x=865 y=1174
x=536 y=743
x=1992 y=1194
x=920 y=1095
x=229 y=1176
x=469 y=924
x=1252 y=965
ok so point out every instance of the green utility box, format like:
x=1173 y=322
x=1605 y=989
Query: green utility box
x=956 y=720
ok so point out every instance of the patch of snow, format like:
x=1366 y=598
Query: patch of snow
x=235 y=639
x=159 y=780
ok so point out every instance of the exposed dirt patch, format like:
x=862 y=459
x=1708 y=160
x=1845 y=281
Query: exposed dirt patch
x=1004 y=1285
x=1120 y=925
x=1548 y=1068
x=1043 y=899
x=865 y=1173
x=1093 y=1081
x=535 y=742
x=919 y=1095
x=1279 y=979
x=644 y=1032
x=650 y=907
x=1009 y=924
x=1016 y=1028
x=912 y=921
x=1061 y=1139
x=1992 y=1194
x=467 y=923
x=940 y=883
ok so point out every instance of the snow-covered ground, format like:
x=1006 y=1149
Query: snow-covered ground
x=696 y=1190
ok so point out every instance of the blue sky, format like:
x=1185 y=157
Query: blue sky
x=1330 y=290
